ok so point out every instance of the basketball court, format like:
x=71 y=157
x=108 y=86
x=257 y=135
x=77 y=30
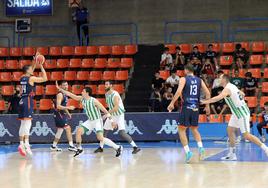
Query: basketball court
x=158 y=165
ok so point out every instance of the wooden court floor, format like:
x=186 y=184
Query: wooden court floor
x=154 y=167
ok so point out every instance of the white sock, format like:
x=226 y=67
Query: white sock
x=110 y=143
x=264 y=147
x=200 y=144
x=186 y=149
x=102 y=144
x=21 y=142
x=79 y=146
x=133 y=144
x=27 y=142
x=71 y=143
x=54 y=144
x=231 y=149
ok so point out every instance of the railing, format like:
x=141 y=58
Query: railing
x=112 y=34
x=168 y=36
x=193 y=32
x=234 y=32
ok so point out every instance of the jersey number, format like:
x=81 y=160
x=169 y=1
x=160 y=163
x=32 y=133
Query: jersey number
x=193 y=89
x=23 y=87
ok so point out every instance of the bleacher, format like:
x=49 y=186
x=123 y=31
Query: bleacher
x=79 y=65
x=257 y=65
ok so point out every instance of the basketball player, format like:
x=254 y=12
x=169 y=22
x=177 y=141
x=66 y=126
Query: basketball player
x=189 y=90
x=61 y=116
x=117 y=110
x=92 y=107
x=240 y=116
x=26 y=104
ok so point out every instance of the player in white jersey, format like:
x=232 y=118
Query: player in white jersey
x=240 y=116
x=117 y=110
x=92 y=107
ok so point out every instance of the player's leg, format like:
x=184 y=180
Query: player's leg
x=58 y=134
x=259 y=127
x=69 y=136
x=27 y=125
x=21 y=147
x=78 y=138
x=106 y=128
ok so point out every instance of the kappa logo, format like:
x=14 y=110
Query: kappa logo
x=43 y=130
x=131 y=128
x=169 y=128
x=4 y=131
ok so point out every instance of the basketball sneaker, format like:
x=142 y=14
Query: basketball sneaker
x=229 y=157
x=263 y=139
x=55 y=148
x=136 y=150
x=21 y=150
x=78 y=152
x=28 y=150
x=98 y=150
x=119 y=151
x=201 y=152
x=188 y=156
x=72 y=148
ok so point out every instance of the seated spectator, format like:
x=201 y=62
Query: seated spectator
x=240 y=56
x=173 y=81
x=208 y=69
x=196 y=54
x=212 y=55
x=219 y=107
x=250 y=85
x=157 y=82
x=216 y=86
x=13 y=102
x=197 y=66
x=166 y=60
x=260 y=125
x=167 y=97
x=236 y=80
x=179 y=60
x=155 y=101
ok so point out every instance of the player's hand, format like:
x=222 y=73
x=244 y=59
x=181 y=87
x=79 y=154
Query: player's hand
x=71 y=107
x=204 y=102
x=70 y=116
x=114 y=125
x=170 y=107
x=57 y=85
x=107 y=116
x=207 y=110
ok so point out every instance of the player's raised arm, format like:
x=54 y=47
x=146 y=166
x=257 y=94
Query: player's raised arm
x=226 y=92
x=60 y=107
x=177 y=94
x=43 y=78
x=69 y=94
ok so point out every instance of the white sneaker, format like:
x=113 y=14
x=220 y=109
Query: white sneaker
x=28 y=150
x=22 y=150
x=263 y=139
x=229 y=157
x=55 y=148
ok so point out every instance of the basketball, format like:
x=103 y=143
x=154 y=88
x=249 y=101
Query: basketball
x=40 y=59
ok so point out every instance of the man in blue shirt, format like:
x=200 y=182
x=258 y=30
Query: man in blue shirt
x=81 y=17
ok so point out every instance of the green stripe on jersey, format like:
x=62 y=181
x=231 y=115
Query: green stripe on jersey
x=92 y=111
x=110 y=102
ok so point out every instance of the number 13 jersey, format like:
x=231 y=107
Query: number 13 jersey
x=191 y=92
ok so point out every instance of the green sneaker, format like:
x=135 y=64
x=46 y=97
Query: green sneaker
x=188 y=156
x=201 y=151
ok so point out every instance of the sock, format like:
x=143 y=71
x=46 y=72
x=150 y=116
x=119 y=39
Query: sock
x=71 y=143
x=231 y=149
x=186 y=149
x=54 y=144
x=27 y=142
x=133 y=144
x=110 y=143
x=21 y=142
x=264 y=147
x=200 y=144
x=79 y=146
x=102 y=144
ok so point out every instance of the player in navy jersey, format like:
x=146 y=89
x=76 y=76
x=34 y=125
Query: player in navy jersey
x=61 y=116
x=189 y=90
x=26 y=104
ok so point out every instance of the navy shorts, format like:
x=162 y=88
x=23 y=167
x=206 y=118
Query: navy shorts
x=61 y=119
x=188 y=117
x=26 y=105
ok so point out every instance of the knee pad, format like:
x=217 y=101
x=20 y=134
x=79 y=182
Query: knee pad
x=59 y=133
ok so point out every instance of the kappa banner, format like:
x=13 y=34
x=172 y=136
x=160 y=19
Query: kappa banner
x=141 y=126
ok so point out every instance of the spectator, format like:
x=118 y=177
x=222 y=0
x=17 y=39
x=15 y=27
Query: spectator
x=208 y=80
x=173 y=81
x=13 y=102
x=217 y=83
x=155 y=101
x=197 y=66
x=250 y=85
x=157 y=82
x=240 y=56
x=260 y=125
x=80 y=16
x=212 y=55
x=179 y=60
x=166 y=60
x=219 y=107
x=167 y=97
x=196 y=54
x=236 y=80
x=208 y=69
